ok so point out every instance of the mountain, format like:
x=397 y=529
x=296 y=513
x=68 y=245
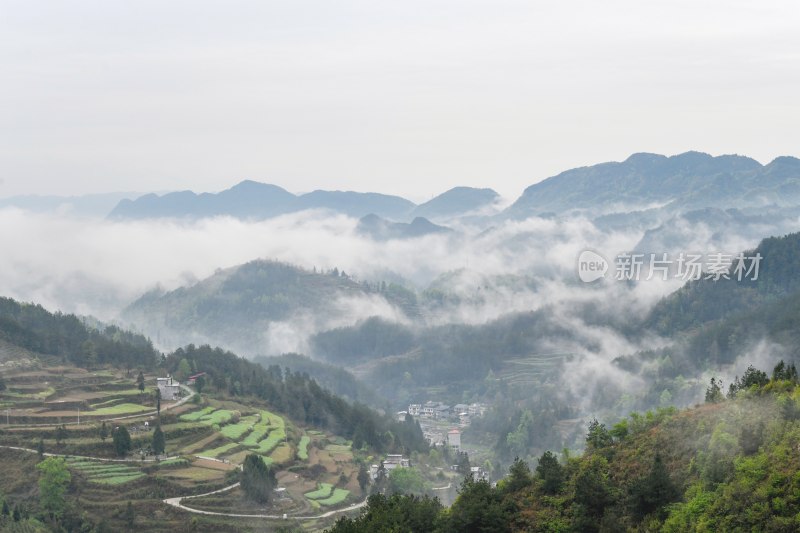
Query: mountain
x=381 y=229
x=254 y=200
x=706 y=300
x=687 y=181
x=458 y=201
x=259 y=308
x=356 y=204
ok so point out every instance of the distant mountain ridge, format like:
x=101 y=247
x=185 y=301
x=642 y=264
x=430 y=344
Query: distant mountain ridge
x=690 y=180
x=254 y=200
x=251 y=199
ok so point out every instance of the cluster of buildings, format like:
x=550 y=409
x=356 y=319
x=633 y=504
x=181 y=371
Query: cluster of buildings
x=460 y=412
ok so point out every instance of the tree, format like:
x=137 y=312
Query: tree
x=40 y=448
x=654 y=491
x=184 y=370
x=478 y=508
x=157 y=394
x=103 y=431
x=406 y=481
x=199 y=383
x=159 y=443
x=593 y=492
x=2 y=384
x=398 y=512
x=61 y=434
x=463 y=465
x=54 y=477
x=129 y=514
x=140 y=381
x=550 y=471
x=598 y=436
x=714 y=391
x=122 y=441
x=258 y=479
x=363 y=478
x=519 y=476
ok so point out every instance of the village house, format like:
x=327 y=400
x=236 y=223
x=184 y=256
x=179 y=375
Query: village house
x=169 y=389
x=391 y=462
x=454 y=439
x=476 y=409
x=401 y=416
x=414 y=409
x=191 y=380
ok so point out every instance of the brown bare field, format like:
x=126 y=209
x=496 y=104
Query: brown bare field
x=214 y=465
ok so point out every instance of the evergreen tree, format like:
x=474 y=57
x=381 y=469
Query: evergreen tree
x=550 y=471
x=655 y=490
x=140 y=381
x=363 y=478
x=714 y=391
x=40 y=448
x=61 y=434
x=159 y=443
x=129 y=515
x=519 y=476
x=598 y=436
x=122 y=441
x=258 y=480
x=103 y=431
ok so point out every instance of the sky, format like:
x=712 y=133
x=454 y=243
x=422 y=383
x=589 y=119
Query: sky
x=407 y=98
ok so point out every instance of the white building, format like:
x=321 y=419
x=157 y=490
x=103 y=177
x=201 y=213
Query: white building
x=454 y=439
x=414 y=409
x=169 y=388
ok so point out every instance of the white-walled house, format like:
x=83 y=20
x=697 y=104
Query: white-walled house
x=169 y=388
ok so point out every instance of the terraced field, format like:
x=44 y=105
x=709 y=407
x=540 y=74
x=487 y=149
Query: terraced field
x=105 y=473
x=302 y=448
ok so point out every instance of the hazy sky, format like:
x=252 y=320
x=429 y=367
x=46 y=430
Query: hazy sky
x=409 y=97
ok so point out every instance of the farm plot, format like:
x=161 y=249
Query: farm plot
x=209 y=416
x=302 y=448
x=105 y=473
x=323 y=491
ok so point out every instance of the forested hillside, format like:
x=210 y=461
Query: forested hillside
x=729 y=465
x=34 y=328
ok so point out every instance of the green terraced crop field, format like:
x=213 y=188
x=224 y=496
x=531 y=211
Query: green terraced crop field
x=235 y=431
x=105 y=473
x=122 y=409
x=323 y=491
x=302 y=448
x=339 y=495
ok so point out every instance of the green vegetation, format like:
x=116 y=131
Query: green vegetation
x=54 y=478
x=338 y=496
x=258 y=479
x=323 y=491
x=215 y=452
x=302 y=448
x=105 y=473
x=730 y=465
x=235 y=431
x=197 y=415
x=122 y=409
